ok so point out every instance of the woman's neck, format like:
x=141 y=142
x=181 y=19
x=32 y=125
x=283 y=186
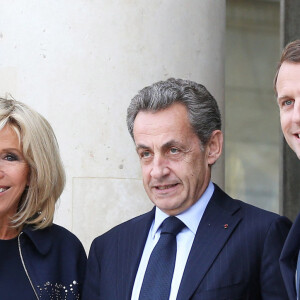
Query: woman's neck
x=7 y=232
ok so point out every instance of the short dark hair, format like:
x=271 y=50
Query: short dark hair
x=203 y=110
x=291 y=53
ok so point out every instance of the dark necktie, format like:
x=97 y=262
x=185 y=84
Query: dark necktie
x=159 y=273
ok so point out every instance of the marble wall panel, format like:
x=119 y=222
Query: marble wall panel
x=98 y=204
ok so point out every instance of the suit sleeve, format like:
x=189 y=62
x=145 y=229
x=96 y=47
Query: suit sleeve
x=91 y=287
x=272 y=285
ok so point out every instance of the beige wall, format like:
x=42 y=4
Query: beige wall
x=80 y=62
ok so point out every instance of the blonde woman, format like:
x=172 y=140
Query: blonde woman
x=38 y=260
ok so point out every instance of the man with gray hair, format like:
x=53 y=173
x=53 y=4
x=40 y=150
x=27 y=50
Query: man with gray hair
x=197 y=242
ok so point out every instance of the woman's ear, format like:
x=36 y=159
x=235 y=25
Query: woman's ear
x=214 y=147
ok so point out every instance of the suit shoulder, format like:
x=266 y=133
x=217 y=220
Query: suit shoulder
x=249 y=212
x=63 y=235
x=229 y=203
x=295 y=231
x=262 y=219
x=252 y=209
x=256 y=210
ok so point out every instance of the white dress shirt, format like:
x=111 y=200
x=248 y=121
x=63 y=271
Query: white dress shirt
x=191 y=218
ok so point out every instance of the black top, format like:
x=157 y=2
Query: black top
x=14 y=283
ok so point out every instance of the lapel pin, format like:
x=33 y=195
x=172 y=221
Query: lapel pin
x=225 y=226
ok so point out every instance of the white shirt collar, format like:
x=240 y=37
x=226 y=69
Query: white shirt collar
x=190 y=217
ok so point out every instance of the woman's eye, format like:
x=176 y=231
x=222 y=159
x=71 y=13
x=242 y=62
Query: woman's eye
x=11 y=157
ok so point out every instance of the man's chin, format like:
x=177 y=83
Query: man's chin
x=296 y=150
x=172 y=209
x=295 y=146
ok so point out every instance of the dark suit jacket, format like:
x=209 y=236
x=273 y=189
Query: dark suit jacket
x=235 y=255
x=288 y=258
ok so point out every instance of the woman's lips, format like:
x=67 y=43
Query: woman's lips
x=3 y=189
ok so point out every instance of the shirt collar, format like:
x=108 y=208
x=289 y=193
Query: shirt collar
x=190 y=217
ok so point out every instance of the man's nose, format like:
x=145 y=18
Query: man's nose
x=296 y=111
x=159 y=167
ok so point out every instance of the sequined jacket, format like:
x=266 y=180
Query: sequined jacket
x=54 y=261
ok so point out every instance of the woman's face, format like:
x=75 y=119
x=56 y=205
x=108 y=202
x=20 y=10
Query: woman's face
x=14 y=172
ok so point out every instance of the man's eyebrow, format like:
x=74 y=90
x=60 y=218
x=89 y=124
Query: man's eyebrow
x=283 y=97
x=173 y=143
x=141 y=146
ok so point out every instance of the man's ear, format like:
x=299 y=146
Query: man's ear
x=214 y=147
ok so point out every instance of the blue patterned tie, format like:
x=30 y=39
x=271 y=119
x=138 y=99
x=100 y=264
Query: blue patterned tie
x=159 y=273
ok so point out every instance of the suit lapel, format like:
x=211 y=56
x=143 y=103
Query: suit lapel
x=215 y=228
x=289 y=256
x=131 y=242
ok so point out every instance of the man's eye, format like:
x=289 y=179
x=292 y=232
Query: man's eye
x=287 y=102
x=174 y=150
x=145 y=154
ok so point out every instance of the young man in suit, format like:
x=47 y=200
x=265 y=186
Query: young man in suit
x=197 y=242
x=287 y=88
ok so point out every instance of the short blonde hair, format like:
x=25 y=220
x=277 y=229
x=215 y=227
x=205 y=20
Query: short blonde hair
x=41 y=152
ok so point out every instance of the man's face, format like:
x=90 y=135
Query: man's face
x=175 y=170
x=288 y=90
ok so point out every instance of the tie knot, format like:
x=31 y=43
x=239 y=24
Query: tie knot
x=172 y=225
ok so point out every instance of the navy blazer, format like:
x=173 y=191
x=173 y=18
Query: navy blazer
x=288 y=258
x=54 y=261
x=235 y=255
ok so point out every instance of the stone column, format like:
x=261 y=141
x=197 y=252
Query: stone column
x=290 y=165
x=80 y=62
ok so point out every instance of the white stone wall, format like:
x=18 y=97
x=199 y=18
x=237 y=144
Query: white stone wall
x=80 y=62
